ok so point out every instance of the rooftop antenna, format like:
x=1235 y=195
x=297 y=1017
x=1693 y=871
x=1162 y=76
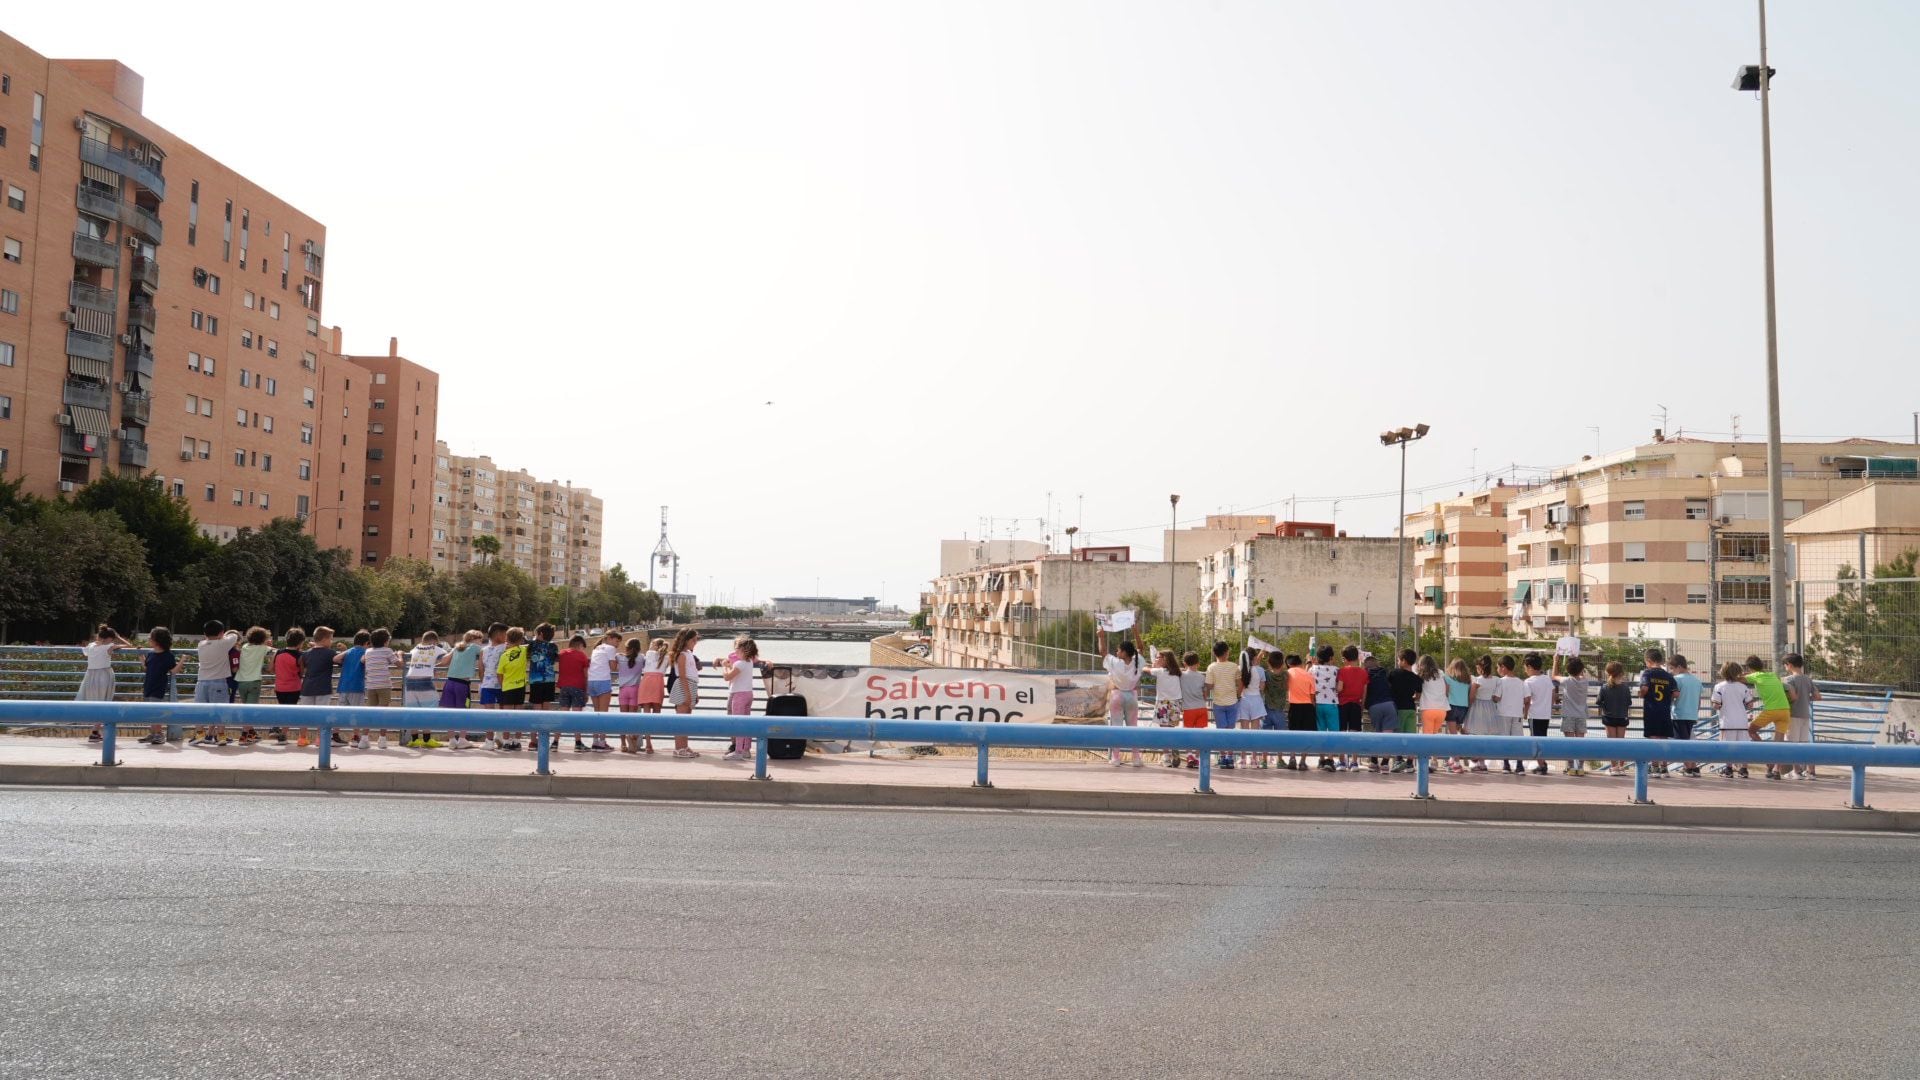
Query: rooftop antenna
x=1733 y=426
x=1597 y=451
x=664 y=555
x=1662 y=417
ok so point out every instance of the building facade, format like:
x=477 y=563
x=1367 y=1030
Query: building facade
x=402 y=415
x=1460 y=562
x=1215 y=533
x=160 y=313
x=1293 y=581
x=1004 y=615
x=821 y=605
x=551 y=530
x=1658 y=540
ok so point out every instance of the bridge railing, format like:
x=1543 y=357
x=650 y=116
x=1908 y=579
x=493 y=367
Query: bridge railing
x=1203 y=742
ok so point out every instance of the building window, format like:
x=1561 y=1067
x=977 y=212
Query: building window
x=239 y=497
x=309 y=361
x=9 y=302
x=1635 y=551
x=306 y=469
x=306 y=434
x=1696 y=594
x=1697 y=509
x=179 y=489
x=379 y=403
x=193 y=361
x=6 y=354
x=263 y=500
x=1745 y=590
x=213 y=325
x=6 y=407
x=273 y=347
x=266 y=462
x=197 y=320
x=246 y=378
x=1744 y=548
x=266 y=424
x=271 y=385
x=240 y=417
x=206 y=450
x=193 y=405
x=1635 y=510
x=246 y=299
x=377 y=429
x=306 y=396
x=1696 y=551
x=246 y=339
x=313 y=326
x=16 y=197
x=1636 y=594
x=206 y=365
x=209 y=492
x=10 y=250
x=206 y=407
x=273 y=309
x=240 y=459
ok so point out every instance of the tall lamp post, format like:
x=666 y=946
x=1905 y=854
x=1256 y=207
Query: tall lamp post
x=1758 y=78
x=1071 y=634
x=1401 y=438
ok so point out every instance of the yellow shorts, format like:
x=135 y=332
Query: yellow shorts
x=1776 y=719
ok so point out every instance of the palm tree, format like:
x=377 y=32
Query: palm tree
x=487 y=546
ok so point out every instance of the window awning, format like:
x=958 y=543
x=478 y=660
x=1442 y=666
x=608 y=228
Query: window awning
x=88 y=421
x=100 y=175
x=90 y=368
x=1522 y=591
x=98 y=323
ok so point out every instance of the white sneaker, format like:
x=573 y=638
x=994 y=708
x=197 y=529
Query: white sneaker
x=360 y=743
x=383 y=742
x=731 y=755
x=493 y=744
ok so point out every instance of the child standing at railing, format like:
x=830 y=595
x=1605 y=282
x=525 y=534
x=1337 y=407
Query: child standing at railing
x=1686 y=706
x=1801 y=694
x=1573 y=708
x=1616 y=704
x=1733 y=699
x=286 y=678
x=156 y=683
x=97 y=683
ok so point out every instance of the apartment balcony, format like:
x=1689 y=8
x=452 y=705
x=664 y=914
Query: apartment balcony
x=140 y=361
x=133 y=454
x=91 y=346
x=146 y=174
x=136 y=408
x=95 y=252
x=92 y=395
x=80 y=444
x=92 y=297
x=98 y=203
x=141 y=220
x=142 y=316
x=146 y=271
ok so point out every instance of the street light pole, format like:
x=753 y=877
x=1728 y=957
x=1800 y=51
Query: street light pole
x=1761 y=79
x=1173 y=542
x=1402 y=437
x=1071 y=634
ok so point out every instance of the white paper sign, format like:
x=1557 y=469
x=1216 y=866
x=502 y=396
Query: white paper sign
x=1116 y=622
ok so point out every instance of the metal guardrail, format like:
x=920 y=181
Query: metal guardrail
x=1201 y=741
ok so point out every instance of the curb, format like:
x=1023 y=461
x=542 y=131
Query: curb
x=999 y=798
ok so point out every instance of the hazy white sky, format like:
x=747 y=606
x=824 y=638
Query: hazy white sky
x=973 y=253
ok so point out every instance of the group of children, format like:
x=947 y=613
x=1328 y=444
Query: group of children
x=1352 y=691
x=502 y=667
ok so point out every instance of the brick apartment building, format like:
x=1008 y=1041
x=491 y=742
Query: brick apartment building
x=161 y=313
x=402 y=420
x=550 y=530
x=1648 y=541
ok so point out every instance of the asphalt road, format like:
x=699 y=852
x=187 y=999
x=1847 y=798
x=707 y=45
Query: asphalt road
x=151 y=934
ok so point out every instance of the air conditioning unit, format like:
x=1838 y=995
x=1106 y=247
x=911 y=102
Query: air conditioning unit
x=126 y=339
x=67 y=317
x=133 y=242
x=306 y=247
x=64 y=420
x=1826 y=459
x=79 y=123
x=66 y=486
x=123 y=387
x=186 y=455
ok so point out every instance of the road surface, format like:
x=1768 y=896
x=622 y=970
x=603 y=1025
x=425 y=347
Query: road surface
x=155 y=934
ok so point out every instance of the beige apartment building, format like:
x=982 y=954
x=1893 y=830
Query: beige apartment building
x=1459 y=553
x=1215 y=533
x=992 y=616
x=1289 y=582
x=402 y=414
x=551 y=530
x=1646 y=541
x=160 y=313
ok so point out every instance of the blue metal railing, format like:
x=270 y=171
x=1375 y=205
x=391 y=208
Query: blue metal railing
x=1202 y=741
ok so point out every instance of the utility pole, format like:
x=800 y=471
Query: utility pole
x=1401 y=438
x=1072 y=636
x=1173 y=542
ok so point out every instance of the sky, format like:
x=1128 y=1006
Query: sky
x=835 y=281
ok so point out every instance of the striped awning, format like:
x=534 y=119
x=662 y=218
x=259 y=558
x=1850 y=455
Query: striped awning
x=100 y=175
x=98 y=323
x=88 y=421
x=90 y=368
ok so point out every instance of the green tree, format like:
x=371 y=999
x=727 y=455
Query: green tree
x=65 y=570
x=1870 y=630
x=918 y=620
x=487 y=547
x=150 y=512
x=493 y=592
x=278 y=577
x=1146 y=607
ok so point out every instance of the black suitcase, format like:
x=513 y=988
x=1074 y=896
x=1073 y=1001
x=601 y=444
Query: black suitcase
x=786 y=705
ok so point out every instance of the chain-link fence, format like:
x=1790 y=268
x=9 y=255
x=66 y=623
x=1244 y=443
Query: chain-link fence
x=1862 y=632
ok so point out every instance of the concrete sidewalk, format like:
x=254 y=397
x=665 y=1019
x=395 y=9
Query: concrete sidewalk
x=856 y=779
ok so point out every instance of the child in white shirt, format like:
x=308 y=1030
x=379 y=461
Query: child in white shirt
x=1733 y=699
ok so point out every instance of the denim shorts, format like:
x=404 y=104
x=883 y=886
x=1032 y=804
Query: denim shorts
x=597 y=687
x=1226 y=716
x=1383 y=718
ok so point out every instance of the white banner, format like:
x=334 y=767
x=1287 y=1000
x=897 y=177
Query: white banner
x=1116 y=622
x=927 y=694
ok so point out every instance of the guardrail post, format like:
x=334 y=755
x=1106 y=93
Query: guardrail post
x=1640 y=771
x=980 y=774
x=1420 y=773
x=541 y=759
x=1859 y=801
x=108 y=738
x=760 y=758
x=326 y=750
x=1206 y=773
